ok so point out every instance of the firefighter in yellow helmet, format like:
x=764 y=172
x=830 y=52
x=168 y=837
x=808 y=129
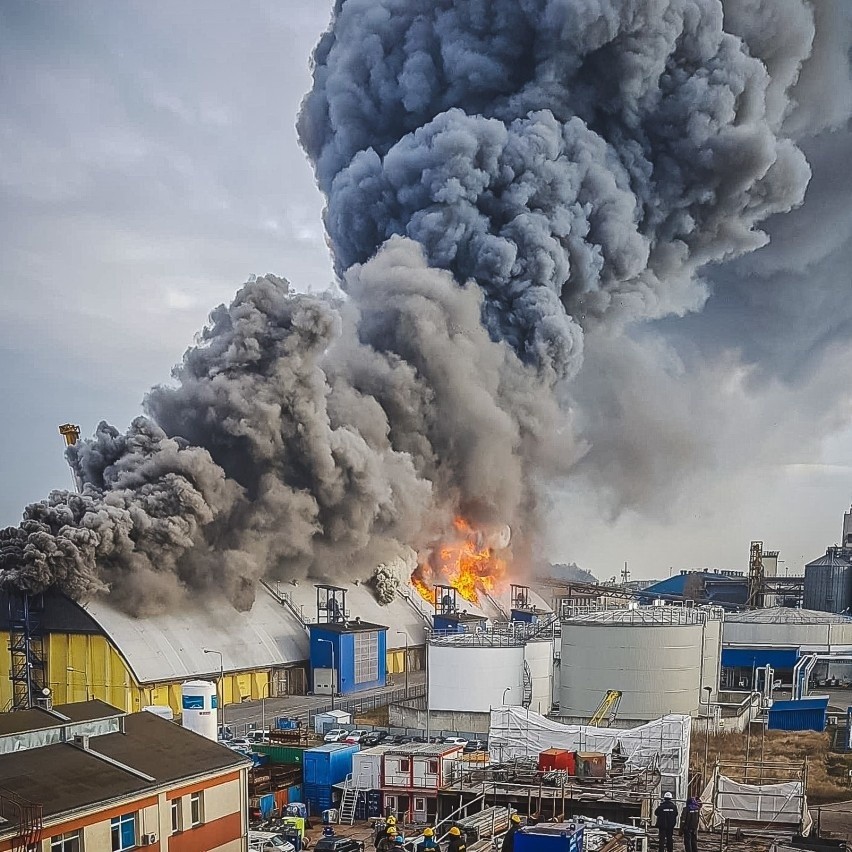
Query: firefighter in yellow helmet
x=428 y=843
x=509 y=836
x=386 y=844
x=457 y=841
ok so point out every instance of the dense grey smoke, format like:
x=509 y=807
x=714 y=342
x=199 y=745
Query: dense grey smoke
x=509 y=183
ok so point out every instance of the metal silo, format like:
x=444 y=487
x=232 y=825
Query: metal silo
x=653 y=655
x=471 y=672
x=828 y=582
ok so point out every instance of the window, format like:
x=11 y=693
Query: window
x=176 y=815
x=404 y=765
x=433 y=767
x=69 y=842
x=123 y=832
x=196 y=812
x=366 y=657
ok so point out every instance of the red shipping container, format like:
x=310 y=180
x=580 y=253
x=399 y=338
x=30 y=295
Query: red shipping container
x=556 y=758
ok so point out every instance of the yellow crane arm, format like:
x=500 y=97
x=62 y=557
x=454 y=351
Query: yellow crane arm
x=607 y=709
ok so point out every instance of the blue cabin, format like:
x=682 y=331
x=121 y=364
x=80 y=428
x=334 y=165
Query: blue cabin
x=354 y=652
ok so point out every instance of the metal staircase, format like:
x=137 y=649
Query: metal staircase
x=284 y=599
x=425 y=616
x=528 y=691
x=348 y=801
x=26 y=647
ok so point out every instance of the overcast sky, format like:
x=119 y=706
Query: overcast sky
x=148 y=165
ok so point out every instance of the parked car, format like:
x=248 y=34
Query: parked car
x=268 y=841
x=258 y=736
x=476 y=745
x=354 y=736
x=400 y=739
x=240 y=744
x=338 y=844
x=374 y=738
x=456 y=741
x=335 y=735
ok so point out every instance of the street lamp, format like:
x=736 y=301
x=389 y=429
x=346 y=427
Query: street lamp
x=333 y=672
x=220 y=709
x=264 y=695
x=709 y=691
x=507 y=689
x=403 y=633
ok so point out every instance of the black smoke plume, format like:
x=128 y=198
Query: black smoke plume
x=506 y=180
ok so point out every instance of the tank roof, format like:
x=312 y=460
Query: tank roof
x=787 y=615
x=642 y=616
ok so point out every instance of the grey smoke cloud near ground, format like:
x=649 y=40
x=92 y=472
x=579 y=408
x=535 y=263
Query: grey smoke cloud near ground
x=581 y=164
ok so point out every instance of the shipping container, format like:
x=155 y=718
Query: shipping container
x=552 y=837
x=327 y=764
x=557 y=758
x=367 y=767
x=288 y=755
x=591 y=764
x=807 y=714
x=318 y=797
x=294 y=794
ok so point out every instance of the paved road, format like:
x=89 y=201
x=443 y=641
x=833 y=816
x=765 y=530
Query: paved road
x=241 y=716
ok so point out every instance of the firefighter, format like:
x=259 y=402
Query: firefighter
x=428 y=843
x=456 y=842
x=387 y=842
x=509 y=836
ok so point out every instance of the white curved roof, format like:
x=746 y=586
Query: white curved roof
x=642 y=616
x=170 y=646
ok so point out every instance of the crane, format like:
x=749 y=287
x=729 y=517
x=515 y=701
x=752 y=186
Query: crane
x=607 y=709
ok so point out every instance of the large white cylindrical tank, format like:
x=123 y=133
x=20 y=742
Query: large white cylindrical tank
x=712 y=656
x=652 y=655
x=199 y=705
x=538 y=656
x=783 y=627
x=472 y=678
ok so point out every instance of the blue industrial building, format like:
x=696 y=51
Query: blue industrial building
x=721 y=588
x=353 y=653
x=448 y=618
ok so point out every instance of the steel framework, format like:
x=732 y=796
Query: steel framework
x=26 y=648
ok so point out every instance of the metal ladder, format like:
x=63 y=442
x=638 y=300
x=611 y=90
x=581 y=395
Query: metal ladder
x=348 y=802
x=528 y=686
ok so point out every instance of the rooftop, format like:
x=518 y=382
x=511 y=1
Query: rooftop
x=37 y=719
x=423 y=748
x=787 y=615
x=63 y=777
x=642 y=616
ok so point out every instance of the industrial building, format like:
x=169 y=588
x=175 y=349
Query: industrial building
x=88 y=776
x=720 y=588
x=828 y=579
x=779 y=637
x=663 y=659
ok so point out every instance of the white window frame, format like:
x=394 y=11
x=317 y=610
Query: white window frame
x=366 y=656
x=132 y=816
x=199 y=799
x=177 y=815
x=58 y=843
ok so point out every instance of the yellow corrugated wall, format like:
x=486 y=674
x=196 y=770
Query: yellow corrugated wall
x=99 y=671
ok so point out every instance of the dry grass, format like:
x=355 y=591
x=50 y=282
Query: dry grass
x=828 y=773
x=378 y=718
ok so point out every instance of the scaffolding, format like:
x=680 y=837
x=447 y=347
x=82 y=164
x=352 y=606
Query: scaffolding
x=755 y=576
x=27 y=650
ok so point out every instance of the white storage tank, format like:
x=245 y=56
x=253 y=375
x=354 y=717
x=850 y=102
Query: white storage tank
x=784 y=627
x=538 y=656
x=653 y=655
x=470 y=672
x=712 y=663
x=199 y=707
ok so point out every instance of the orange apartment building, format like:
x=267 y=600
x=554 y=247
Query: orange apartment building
x=89 y=778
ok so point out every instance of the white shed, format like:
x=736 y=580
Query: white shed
x=324 y=722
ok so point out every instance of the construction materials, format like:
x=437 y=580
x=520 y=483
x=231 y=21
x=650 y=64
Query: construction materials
x=591 y=765
x=557 y=758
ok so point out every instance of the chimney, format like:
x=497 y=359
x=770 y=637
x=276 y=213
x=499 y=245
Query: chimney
x=846 y=540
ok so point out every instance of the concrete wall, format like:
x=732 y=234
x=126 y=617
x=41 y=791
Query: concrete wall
x=402 y=716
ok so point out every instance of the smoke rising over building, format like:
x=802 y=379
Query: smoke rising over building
x=501 y=188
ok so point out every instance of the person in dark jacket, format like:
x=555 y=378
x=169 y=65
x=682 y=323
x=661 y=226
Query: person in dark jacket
x=457 y=842
x=509 y=836
x=689 y=824
x=386 y=844
x=666 y=815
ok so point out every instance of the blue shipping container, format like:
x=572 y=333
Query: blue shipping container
x=327 y=764
x=807 y=714
x=294 y=794
x=553 y=837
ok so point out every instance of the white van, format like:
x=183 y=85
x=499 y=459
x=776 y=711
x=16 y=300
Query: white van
x=268 y=841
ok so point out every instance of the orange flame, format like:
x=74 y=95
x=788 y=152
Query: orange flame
x=463 y=563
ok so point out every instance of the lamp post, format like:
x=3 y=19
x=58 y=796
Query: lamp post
x=333 y=672
x=403 y=633
x=507 y=689
x=708 y=690
x=220 y=709
x=264 y=695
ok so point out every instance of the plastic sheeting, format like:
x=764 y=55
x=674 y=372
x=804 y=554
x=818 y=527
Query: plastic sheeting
x=770 y=804
x=662 y=744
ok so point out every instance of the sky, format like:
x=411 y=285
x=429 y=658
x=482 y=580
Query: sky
x=149 y=164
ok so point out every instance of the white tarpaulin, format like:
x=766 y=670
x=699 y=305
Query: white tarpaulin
x=662 y=744
x=771 y=804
